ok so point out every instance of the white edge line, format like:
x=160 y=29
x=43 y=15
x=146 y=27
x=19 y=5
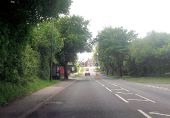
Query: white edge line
x=146 y=115
x=159 y=114
x=121 y=98
x=145 y=98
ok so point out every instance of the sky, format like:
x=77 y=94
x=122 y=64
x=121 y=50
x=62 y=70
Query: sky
x=142 y=16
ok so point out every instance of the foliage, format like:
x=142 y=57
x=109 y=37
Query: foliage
x=46 y=40
x=113 y=48
x=10 y=91
x=150 y=55
x=16 y=22
x=17 y=12
x=30 y=62
x=75 y=34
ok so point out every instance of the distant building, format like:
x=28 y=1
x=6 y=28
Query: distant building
x=89 y=62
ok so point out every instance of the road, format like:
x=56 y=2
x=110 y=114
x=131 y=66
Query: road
x=101 y=97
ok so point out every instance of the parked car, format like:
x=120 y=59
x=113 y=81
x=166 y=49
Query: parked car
x=87 y=72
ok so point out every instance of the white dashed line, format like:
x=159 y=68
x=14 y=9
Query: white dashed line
x=145 y=98
x=108 y=89
x=155 y=113
x=121 y=98
x=143 y=113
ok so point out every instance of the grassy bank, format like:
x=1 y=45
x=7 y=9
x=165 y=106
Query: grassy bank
x=10 y=91
x=158 y=80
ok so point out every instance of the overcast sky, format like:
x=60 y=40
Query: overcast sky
x=140 y=15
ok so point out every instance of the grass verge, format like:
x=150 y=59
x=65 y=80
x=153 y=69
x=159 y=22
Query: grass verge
x=11 y=91
x=156 y=80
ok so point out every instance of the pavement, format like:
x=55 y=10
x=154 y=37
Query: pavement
x=26 y=105
x=97 y=96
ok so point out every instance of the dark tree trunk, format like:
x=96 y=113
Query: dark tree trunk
x=107 y=71
x=120 y=66
x=120 y=70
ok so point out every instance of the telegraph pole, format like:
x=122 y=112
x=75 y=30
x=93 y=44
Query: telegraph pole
x=51 y=50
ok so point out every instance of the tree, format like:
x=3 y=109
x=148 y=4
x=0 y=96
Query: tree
x=150 y=55
x=75 y=34
x=16 y=21
x=46 y=41
x=113 y=47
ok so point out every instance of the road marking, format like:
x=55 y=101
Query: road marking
x=108 y=89
x=162 y=88
x=118 y=89
x=124 y=93
x=145 y=98
x=57 y=102
x=104 y=86
x=121 y=89
x=155 y=113
x=100 y=83
x=137 y=99
x=124 y=89
x=114 y=84
x=121 y=98
x=111 y=83
x=143 y=113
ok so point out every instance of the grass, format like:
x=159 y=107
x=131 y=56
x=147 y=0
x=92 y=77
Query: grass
x=157 y=80
x=10 y=91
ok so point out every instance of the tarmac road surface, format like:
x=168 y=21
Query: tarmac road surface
x=89 y=97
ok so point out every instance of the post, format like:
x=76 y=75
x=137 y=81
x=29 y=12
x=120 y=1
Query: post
x=51 y=50
x=97 y=62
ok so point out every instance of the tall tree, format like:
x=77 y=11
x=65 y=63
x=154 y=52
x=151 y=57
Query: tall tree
x=150 y=55
x=113 y=47
x=46 y=41
x=17 y=17
x=75 y=34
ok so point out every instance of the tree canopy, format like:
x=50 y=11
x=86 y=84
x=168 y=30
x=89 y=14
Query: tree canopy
x=113 y=47
x=75 y=35
x=17 y=20
x=148 y=56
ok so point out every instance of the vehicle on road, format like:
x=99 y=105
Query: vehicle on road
x=87 y=72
